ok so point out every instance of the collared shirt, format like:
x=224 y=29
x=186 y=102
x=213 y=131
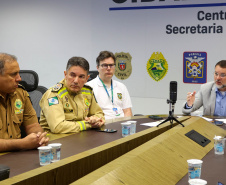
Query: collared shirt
x=220 y=105
x=121 y=99
x=15 y=111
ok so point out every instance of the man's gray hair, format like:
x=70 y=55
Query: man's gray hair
x=5 y=57
x=78 y=61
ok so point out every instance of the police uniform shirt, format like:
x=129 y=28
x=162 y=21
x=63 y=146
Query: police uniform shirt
x=65 y=113
x=121 y=98
x=17 y=110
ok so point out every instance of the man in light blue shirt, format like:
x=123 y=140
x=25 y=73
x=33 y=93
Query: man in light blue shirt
x=211 y=95
x=220 y=105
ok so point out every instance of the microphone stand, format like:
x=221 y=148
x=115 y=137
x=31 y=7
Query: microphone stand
x=170 y=117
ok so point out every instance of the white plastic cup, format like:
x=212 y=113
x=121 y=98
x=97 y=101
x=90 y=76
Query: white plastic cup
x=197 y=182
x=44 y=155
x=133 y=127
x=55 y=151
x=126 y=126
x=219 y=143
x=194 y=168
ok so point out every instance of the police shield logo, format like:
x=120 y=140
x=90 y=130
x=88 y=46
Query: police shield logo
x=122 y=65
x=194 y=67
x=119 y=96
x=123 y=68
x=18 y=103
x=157 y=66
x=86 y=102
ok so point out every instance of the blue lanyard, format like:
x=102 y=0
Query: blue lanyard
x=112 y=100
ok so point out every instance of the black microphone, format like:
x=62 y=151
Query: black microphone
x=173 y=91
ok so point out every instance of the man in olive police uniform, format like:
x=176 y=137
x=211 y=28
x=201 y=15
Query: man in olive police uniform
x=70 y=106
x=16 y=110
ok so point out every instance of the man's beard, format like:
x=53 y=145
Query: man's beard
x=220 y=86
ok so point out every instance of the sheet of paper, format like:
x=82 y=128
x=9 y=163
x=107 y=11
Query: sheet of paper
x=152 y=124
x=207 y=119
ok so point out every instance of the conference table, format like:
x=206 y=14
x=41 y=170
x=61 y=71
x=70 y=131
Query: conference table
x=84 y=152
x=71 y=144
x=163 y=159
x=26 y=163
x=213 y=167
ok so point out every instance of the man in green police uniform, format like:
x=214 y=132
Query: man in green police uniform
x=70 y=106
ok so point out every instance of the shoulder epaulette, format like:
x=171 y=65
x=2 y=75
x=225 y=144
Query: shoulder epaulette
x=87 y=90
x=21 y=86
x=89 y=87
x=57 y=87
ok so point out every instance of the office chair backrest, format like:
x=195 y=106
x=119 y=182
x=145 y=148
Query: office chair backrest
x=36 y=96
x=93 y=74
x=29 y=79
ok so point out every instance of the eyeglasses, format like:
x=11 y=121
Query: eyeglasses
x=105 y=66
x=222 y=75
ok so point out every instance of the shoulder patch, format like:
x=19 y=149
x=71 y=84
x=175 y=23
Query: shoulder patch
x=53 y=101
x=21 y=86
x=57 y=87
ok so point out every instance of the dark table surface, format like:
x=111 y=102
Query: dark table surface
x=213 y=168
x=23 y=161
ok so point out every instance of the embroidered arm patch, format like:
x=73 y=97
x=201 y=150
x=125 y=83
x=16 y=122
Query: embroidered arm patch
x=53 y=101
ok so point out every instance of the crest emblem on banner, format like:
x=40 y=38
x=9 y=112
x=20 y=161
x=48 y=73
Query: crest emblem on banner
x=157 y=66
x=123 y=68
x=195 y=67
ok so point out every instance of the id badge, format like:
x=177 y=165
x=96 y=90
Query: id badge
x=116 y=111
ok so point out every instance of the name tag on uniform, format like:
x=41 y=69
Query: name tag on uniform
x=68 y=110
x=19 y=111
